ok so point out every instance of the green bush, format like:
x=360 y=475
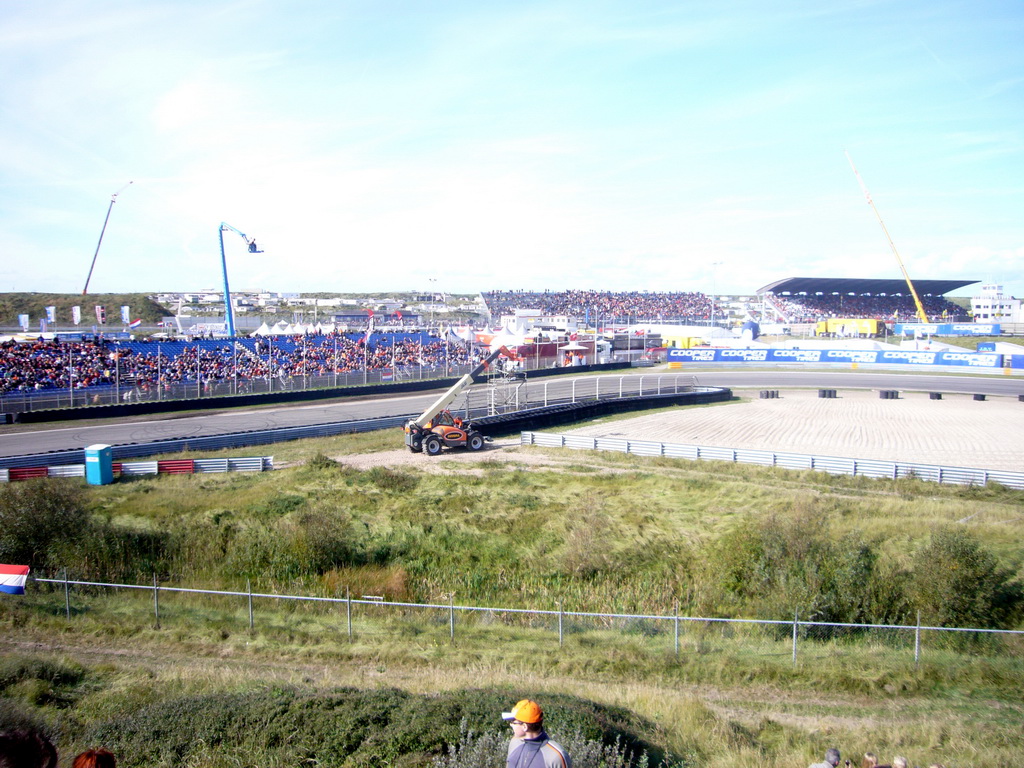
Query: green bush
x=777 y=566
x=956 y=582
x=38 y=518
x=346 y=727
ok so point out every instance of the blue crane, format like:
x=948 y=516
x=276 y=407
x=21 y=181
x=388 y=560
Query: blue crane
x=229 y=315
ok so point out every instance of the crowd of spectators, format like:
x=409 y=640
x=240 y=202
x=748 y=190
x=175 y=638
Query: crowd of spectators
x=617 y=306
x=809 y=309
x=57 y=364
x=696 y=308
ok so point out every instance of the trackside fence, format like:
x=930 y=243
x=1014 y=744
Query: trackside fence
x=946 y=650
x=167 y=467
x=891 y=470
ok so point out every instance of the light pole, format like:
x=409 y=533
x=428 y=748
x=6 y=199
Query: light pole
x=229 y=315
x=113 y=199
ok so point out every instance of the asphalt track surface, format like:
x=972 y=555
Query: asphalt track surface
x=28 y=439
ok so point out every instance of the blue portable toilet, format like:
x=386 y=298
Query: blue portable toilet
x=99 y=464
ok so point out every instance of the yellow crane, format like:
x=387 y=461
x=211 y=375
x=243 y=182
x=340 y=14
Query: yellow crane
x=921 y=315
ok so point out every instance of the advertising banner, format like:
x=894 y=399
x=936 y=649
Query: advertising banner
x=963 y=359
x=947 y=329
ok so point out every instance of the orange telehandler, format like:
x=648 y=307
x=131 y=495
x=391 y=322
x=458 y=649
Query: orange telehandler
x=436 y=427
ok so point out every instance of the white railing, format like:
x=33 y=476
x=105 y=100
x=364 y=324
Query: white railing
x=892 y=470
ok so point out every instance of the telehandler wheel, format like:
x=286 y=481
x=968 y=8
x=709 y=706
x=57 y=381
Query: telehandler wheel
x=416 y=446
x=432 y=445
x=475 y=441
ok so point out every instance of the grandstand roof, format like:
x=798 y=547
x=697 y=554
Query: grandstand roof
x=860 y=287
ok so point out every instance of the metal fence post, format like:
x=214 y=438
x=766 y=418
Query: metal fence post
x=451 y=616
x=796 y=621
x=677 y=627
x=67 y=596
x=156 y=601
x=348 y=610
x=917 y=640
x=248 y=588
x=560 y=629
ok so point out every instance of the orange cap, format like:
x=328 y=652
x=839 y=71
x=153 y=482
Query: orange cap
x=525 y=711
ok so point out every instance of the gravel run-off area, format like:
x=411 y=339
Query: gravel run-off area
x=956 y=431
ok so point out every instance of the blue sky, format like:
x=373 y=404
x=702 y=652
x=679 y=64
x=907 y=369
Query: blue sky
x=380 y=146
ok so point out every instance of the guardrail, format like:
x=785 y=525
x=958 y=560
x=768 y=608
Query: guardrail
x=182 y=466
x=891 y=470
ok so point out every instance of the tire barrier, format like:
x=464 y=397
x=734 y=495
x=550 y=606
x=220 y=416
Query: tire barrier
x=979 y=397
x=889 y=394
x=934 y=395
x=829 y=394
x=769 y=394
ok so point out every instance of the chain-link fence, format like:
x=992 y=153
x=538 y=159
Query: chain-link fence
x=738 y=643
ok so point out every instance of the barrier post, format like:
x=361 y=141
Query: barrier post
x=917 y=640
x=560 y=632
x=796 y=621
x=156 y=601
x=248 y=588
x=67 y=596
x=348 y=610
x=451 y=616
x=677 y=628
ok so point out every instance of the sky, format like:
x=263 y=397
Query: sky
x=465 y=146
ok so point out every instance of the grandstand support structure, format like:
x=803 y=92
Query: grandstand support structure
x=229 y=314
x=772 y=309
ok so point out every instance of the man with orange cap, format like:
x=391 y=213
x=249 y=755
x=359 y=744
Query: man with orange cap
x=531 y=747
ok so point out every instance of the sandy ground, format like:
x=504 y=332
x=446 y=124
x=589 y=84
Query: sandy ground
x=956 y=431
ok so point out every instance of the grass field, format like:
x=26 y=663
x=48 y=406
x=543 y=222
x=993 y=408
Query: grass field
x=545 y=530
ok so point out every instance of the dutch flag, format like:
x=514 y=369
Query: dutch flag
x=135 y=323
x=12 y=579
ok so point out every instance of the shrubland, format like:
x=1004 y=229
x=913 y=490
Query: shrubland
x=591 y=532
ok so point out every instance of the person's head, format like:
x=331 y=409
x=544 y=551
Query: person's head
x=526 y=718
x=870 y=760
x=26 y=748
x=899 y=762
x=832 y=756
x=95 y=758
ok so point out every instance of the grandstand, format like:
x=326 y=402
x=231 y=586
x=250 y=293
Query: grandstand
x=608 y=307
x=790 y=301
x=809 y=299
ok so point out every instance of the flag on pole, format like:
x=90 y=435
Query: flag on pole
x=126 y=314
x=51 y=314
x=12 y=579
x=135 y=323
x=23 y=321
x=76 y=315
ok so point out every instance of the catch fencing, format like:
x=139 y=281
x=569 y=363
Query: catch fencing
x=668 y=634
x=890 y=470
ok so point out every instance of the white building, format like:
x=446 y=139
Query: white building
x=993 y=306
